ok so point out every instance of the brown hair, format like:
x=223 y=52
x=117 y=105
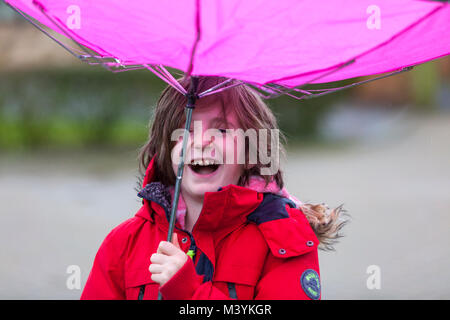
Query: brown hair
x=252 y=113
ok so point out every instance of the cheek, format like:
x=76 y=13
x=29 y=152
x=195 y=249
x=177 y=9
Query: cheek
x=235 y=147
x=175 y=156
x=234 y=172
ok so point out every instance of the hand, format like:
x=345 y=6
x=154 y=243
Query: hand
x=168 y=259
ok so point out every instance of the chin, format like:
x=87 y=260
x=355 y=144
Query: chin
x=199 y=190
x=209 y=188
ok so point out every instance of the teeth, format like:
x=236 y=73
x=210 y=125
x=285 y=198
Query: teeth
x=203 y=162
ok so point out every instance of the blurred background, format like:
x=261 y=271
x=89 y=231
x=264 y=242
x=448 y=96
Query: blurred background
x=69 y=140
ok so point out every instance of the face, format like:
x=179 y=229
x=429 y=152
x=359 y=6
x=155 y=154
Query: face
x=210 y=143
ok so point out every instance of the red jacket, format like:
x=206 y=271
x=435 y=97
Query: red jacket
x=249 y=245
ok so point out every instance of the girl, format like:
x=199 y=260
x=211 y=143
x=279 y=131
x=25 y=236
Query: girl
x=238 y=234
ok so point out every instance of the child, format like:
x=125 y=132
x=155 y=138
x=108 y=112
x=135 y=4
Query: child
x=238 y=234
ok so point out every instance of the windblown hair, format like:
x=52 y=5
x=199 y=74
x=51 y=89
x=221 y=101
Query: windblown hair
x=252 y=113
x=326 y=223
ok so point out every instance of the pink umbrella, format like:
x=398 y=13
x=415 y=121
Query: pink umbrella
x=276 y=47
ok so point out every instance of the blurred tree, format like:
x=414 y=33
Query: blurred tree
x=425 y=83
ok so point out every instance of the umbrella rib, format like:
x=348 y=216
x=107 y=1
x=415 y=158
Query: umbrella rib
x=70 y=37
x=333 y=70
x=163 y=77
x=310 y=94
x=404 y=69
x=275 y=90
x=214 y=87
x=331 y=90
x=82 y=54
x=264 y=88
x=337 y=68
x=171 y=78
x=29 y=19
x=155 y=68
x=258 y=90
x=220 y=87
x=123 y=68
x=281 y=90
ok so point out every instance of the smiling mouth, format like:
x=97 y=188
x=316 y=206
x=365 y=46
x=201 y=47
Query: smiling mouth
x=204 y=167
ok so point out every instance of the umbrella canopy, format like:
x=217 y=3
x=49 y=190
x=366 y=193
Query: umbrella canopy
x=274 y=45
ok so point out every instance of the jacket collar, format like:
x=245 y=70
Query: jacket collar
x=226 y=208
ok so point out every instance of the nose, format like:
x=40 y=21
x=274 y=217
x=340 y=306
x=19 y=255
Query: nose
x=200 y=140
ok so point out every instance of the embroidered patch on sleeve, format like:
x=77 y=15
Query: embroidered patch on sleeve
x=311 y=283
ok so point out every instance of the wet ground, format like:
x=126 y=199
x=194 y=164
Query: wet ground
x=55 y=210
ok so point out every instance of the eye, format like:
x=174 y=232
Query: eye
x=223 y=130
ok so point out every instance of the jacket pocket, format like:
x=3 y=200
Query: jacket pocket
x=235 y=290
x=240 y=262
x=238 y=281
x=140 y=286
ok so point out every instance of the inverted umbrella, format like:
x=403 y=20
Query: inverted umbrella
x=276 y=47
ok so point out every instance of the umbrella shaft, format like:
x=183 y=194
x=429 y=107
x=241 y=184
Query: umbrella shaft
x=179 y=175
x=189 y=108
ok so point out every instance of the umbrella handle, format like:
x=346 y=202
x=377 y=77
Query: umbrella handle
x=192 y=97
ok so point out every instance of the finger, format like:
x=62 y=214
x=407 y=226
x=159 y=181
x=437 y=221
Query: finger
x=167 y=248
x=156 y=268
x=158 y=258
x=159 y=278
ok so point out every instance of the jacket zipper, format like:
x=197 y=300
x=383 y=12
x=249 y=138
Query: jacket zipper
x=141 y=292
x=232 y=290
x=192 y=252
x=192 y=248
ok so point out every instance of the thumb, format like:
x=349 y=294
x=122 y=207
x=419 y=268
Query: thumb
x=175 y=240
